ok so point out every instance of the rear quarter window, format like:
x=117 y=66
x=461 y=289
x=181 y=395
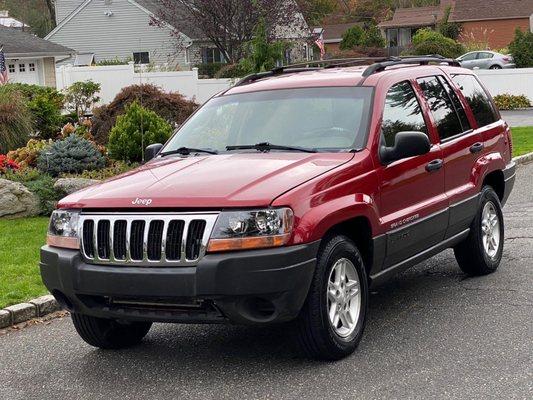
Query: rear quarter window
x=477 y=98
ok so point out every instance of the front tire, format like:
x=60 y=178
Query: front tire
x=495 y=67
x=332 y=320
x=108 y=333
x=481 y=252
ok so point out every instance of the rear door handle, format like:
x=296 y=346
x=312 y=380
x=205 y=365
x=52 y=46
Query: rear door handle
x=476 y=147
x=434 y=165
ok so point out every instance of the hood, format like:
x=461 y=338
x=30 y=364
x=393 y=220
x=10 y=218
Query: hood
x=217 y=181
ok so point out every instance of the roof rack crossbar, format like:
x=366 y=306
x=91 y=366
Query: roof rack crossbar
x=422 y=60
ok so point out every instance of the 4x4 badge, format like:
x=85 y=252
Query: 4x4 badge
x=141 y=202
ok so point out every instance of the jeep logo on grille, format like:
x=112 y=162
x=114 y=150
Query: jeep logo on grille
x=141 y=202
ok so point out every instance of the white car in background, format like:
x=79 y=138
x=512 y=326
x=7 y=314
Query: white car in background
x=486 y=60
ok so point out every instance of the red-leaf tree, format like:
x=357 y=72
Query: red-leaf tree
x=228 y=24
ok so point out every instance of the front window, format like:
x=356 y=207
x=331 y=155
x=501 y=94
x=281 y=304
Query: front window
x=212 y=55
x=323 y=119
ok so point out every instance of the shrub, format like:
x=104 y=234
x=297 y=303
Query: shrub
x=73 y=154
x=15 y=120
x=116 y=168
x=451 y=30
x=262 y=54
x=137 y=128
x=522 y=49
x=427 y=41
x=209 y=69
x=43 y=187
x=511 y=102
x=173 y=107
x=372 y=37
x=45 y=104
x=27 y=156
x=81 y=96
x=22 y=175
x=352 y=38
x=7 y=164
x=356 y=37
x=232 y=71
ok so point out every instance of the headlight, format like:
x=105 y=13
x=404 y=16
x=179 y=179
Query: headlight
x=63 y=229
x=254 y=229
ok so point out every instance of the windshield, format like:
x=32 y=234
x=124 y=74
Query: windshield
x=327 y=119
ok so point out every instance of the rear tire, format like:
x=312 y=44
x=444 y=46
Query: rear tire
x=332 y=320
x=108 y=333
x=481 y=252
x=495 y=67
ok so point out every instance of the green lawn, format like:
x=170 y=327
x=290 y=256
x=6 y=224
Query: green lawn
x=20 y=240
x=522 y=140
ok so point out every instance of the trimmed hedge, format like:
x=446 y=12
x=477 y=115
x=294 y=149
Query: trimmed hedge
x=511 y=102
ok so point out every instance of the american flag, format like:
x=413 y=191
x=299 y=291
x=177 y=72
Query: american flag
x=3 y=68
x=320 y=43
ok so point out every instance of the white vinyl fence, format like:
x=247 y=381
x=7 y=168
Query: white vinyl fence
x=113 y=78
x=116 y=77
x=511 y=81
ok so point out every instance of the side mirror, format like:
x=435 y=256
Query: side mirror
x=406 y=144
x=152 y=151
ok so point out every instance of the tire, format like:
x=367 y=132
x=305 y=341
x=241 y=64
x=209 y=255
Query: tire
x=495 y=67
x=108 y=333
x=315 y=331
x=474 y=257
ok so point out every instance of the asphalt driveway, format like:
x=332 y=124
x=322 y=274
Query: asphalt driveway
x=432 y=333
x=518 y=117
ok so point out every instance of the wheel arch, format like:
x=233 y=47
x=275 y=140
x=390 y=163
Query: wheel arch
x=496 y=180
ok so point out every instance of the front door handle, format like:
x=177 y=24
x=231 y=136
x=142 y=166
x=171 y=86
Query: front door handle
x=476 y=147
x=434 y=165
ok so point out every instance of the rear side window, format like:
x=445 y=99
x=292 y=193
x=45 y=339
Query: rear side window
x=477 y=99
x=401 y=113
x=456 y=104
x=446 y=119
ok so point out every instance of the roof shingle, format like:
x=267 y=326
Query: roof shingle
x=18 y=43
x=479 y=10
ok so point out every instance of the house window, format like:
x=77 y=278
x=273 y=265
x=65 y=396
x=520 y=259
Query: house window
x=211 y=55
x=31 y=66
x=11 y=68
x=142 y=57
x=22 y=67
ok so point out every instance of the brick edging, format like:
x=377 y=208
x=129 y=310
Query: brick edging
x=22 y=312
x=523 y=158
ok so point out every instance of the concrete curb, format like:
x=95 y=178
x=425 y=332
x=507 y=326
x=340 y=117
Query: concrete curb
x=524 y=158
x=22 y=312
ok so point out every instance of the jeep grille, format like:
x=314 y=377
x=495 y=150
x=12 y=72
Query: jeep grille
x=148 y=239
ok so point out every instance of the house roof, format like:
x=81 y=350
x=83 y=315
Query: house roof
x=479 y=10
x=414 y=17
x=333 y=33
x=18 y=43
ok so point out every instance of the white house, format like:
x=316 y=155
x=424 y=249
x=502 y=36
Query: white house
x=121 y=29
x=30 y=59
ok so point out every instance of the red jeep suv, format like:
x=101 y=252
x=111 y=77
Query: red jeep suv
x=286 y=198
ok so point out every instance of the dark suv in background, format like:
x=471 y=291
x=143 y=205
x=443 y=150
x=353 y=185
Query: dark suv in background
x=285 y=198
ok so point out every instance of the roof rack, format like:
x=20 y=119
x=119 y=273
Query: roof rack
x=422 y=60
x=377 y=64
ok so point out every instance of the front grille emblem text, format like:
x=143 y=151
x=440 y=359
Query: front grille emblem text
x=141 y=202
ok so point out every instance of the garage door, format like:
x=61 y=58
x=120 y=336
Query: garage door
x=23 y=71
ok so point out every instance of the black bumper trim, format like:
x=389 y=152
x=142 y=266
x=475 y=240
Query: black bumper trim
x=230 y=281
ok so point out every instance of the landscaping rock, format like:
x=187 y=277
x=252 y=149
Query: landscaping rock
x=22 y=312
x=45 y=305
x=16 y=200
x=5 y=319
x=71 y=185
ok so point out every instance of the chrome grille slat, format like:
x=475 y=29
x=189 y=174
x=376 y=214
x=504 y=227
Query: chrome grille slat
x=145 y=239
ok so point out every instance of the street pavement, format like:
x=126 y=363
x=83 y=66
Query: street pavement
x=432 y=333
x=517 y=118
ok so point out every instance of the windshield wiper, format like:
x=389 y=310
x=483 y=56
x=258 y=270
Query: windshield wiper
x=185 y=151
x=266 y=147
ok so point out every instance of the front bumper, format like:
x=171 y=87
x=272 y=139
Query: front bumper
x=249 y=287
